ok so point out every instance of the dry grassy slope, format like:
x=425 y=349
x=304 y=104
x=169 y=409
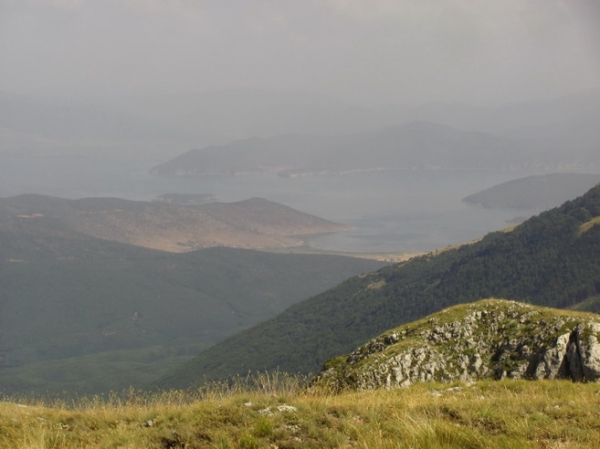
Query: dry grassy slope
x=266 y=217
x=254 y=223
x=484 y=415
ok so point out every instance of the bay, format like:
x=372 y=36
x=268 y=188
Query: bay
x=389 y=211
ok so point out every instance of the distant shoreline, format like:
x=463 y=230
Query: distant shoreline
x=391 y=257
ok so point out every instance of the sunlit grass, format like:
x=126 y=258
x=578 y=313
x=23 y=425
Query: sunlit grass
x=276 y=410
x=585 y=227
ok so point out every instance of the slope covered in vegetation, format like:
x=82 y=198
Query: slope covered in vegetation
x=86 y=315
x=484 y=415
x=551 y=260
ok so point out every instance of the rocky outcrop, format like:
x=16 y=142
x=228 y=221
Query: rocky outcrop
x=487 y=339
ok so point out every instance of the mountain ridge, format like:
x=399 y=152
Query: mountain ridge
x=253 y=224
x=414 y=145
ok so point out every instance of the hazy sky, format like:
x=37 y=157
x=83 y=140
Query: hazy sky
x=359 y=50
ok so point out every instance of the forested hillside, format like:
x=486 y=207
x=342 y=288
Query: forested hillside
x=551 y=259
x=87 y=315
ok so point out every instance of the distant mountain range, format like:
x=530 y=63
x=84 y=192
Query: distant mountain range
x=224 y=116
x=417 y=145
x=164 y=125
x=551 y=260
x=254 y=223
x=535 y=192
x=83 y=314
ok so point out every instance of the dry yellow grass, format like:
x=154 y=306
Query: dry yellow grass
x=585 y=227
x=507 y=414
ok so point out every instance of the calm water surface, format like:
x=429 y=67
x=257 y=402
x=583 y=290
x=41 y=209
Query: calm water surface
x=389 y=211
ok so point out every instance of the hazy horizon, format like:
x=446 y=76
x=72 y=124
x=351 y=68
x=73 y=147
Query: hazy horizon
x=375 y=52
x=86 y=84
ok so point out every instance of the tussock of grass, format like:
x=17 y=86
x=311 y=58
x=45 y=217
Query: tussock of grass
x=274 y=411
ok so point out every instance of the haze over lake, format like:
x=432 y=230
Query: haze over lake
x=394 y=211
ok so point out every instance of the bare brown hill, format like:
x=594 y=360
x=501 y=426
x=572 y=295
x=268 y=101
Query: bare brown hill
x=255 y=223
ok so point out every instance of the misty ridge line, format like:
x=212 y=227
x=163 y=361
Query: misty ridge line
x=154 y=126
x=416 y=146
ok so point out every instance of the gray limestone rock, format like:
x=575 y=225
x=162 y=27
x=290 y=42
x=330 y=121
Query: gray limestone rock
x=487 y=339
x=589 y=349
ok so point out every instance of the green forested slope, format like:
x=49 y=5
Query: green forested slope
x=552 y=259
x=66 y=297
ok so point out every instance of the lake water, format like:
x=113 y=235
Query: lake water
x=402 y=211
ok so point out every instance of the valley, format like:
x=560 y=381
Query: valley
x=82 y=314
x=120 y=269
x=157 y=285
x=550 y=260
x=345 y=224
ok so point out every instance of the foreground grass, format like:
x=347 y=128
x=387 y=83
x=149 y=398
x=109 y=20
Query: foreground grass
x=508 y=414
